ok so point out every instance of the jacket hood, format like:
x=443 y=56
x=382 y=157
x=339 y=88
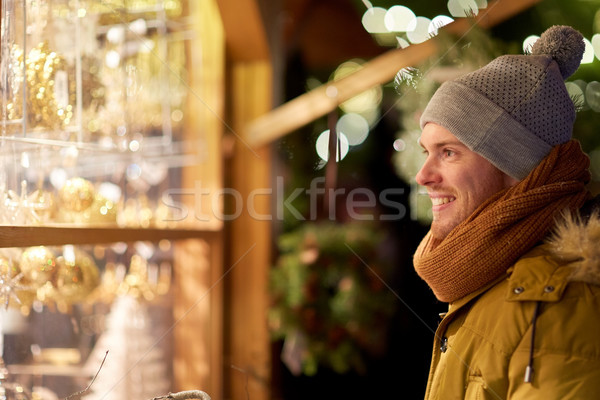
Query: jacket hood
x=576 y=241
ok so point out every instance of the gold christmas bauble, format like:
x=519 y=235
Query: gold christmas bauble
x=76 y=277
x=102 y=211
x=8 y=268
x=38 y=265
x=24 y=295
x=77 y=194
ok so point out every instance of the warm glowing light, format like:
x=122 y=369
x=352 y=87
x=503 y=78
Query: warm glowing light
x=588 y=54
x=322 y=146
x=463 y=8
x=362 y=102
x=528 y=43
x=373 y=20
x=420 y=30
x=399 y=18
x=399 y=145
x=596 y=45
x=437 y=23
x=402 y=43
x=116 y=34
x=354 y=126
x=113 y=59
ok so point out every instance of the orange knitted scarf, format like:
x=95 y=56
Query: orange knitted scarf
x=505 y=226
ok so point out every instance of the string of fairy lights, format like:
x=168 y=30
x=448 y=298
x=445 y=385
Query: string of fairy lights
x=399 y=26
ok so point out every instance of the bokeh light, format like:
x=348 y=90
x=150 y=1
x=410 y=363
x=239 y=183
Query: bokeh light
x=345 y=69
x=402 y=43
x=373 y=20
x=322 y=146
x=437 y=23
x=354 y=126
x=363 y=102
x=592 y=95
x=134 y=171
x=528 y=43
x=463 y=8
x=575 y=92
x=399 y=145
x=399 y=19
x=588 y=54
x=420 y=30
x=596 y=45
x=116 y=34
x=113 y=59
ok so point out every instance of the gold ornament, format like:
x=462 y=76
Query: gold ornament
x=77 y=194
x=14 y=108
x=14 y=287
x=136 y=282
x=76 y=277
x=102 y=211
x=8 y=268
x=38 y=265
x=28 y=208
x=47 y=83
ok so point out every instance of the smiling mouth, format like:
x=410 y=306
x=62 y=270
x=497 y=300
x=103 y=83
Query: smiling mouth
x=438 y=201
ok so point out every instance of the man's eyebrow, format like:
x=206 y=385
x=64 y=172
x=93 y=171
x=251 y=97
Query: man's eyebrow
x=444 y=144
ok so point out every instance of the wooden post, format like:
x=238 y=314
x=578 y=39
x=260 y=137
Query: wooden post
x=198 y=283
x=248 y=358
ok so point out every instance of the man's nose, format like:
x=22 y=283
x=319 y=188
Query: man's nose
x=428 y=173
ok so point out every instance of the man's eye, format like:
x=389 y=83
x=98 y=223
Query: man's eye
x=448 y=153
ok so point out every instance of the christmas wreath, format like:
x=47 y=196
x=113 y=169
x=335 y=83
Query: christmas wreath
x=331 y=303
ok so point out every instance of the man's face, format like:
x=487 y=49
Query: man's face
x=457 y=179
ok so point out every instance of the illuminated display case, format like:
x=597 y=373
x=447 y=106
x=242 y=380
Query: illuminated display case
x=95 y=145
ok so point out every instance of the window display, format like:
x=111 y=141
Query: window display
x=93 y=98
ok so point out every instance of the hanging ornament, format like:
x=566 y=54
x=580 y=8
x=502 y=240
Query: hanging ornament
x=102 y=211
x=38 y=265
x=13 y=286
x=77 y=194
x=14 y=84
x=136 y=282
x=47 y=88
x=28 y=208
x=76 y=276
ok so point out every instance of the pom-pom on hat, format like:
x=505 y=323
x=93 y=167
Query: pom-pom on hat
x=516 y=108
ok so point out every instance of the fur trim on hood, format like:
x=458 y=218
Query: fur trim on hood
x=577 y=241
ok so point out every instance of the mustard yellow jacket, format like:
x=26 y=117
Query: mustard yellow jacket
x=532 y=334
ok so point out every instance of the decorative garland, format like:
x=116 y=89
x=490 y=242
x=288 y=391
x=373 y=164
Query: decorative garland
x=331 y=304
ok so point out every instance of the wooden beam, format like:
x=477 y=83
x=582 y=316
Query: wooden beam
x=245 y=36
x=23 y=236
x=382 y=69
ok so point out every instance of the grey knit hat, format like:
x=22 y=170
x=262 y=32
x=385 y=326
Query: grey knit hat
x=516 y=108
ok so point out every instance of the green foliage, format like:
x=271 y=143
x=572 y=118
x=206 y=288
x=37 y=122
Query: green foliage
x=328 y=289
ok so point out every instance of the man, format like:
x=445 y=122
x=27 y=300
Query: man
x=501 y=169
